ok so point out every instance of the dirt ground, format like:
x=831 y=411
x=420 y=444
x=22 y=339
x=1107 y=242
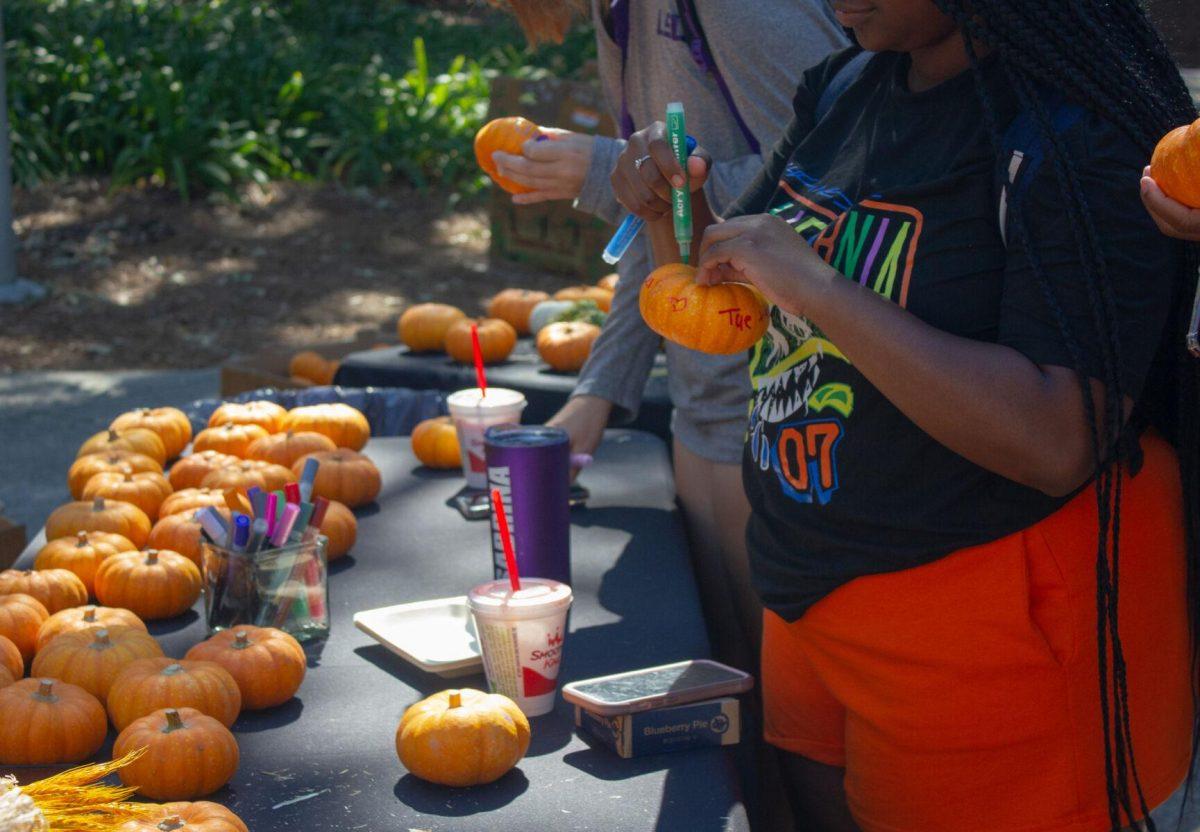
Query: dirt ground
x=139 y=279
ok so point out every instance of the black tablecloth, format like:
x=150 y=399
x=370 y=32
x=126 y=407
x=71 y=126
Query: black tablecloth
x=546 y=390
x=327 y=760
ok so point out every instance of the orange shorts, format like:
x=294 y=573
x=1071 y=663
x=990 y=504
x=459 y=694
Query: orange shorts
x=964 y=694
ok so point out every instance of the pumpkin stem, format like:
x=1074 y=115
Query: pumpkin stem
x=113 y=436
x=172 y=669
x=455 y=699
x=128 y=475
x=98 y=504
x=89 y=614
x=102 y=641
x=169 y=823
x=174 y=722
x=151 y=557
x=241 y=640
x=45 y=691
x=81 y=538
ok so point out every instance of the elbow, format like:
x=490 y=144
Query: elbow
x=1059 y=473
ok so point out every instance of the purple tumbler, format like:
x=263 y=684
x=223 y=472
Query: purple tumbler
x=531 y=467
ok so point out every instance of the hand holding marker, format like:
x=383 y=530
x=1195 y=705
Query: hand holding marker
x=632 y=225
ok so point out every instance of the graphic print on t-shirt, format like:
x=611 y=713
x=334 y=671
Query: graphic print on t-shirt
x=797 y=419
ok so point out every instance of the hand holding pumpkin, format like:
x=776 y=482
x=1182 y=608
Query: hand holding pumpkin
x=553 y=169
x=1172 y=218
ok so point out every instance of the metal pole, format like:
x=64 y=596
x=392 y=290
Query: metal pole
x=12 y=288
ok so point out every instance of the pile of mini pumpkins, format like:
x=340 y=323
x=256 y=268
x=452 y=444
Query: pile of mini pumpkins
x=563 y=344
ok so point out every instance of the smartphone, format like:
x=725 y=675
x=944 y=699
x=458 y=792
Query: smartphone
x=477 y=505
x=657 y=687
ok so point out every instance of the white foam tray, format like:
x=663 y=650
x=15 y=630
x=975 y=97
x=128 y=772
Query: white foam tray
x=437 y=636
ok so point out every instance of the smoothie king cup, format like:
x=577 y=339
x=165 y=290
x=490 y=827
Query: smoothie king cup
x=521 y=637
x=474 y=413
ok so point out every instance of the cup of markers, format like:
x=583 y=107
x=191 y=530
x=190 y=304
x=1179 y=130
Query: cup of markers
x=267 y=566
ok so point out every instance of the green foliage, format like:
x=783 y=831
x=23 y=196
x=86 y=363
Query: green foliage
x=584 y=311
x=211 y=94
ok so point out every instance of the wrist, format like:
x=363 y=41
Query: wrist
x=824 y=295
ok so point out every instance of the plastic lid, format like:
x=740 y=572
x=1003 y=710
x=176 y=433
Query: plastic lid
x=496 y=397
x=537 y=597
x=525 y=436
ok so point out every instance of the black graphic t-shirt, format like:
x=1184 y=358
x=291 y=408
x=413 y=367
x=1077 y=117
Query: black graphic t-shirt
x=902 y=192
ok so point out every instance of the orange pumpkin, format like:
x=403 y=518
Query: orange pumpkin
x=609 y=282
x=423 y=327
x=146 y=685
x=506 y=134
x=566 y=346
x=263 y=413
x=514 y=306
x=435 y=443
x=86 y=618
x=99 y=515
x=6 y=677
x=171 y=424
x=312 y=366
x=601 y=297
x=190 y=499
x=174 y=767
x=81 y=554
x=93 y=658
x=723 y=319
x=86 y=467
x=198 y=816
x=57 y=589
x=248 y=473
x=11 y=661
x=229 y=438
x=346 y=426
x=146 y=490
x=153 y=584
x=180 y=532
x=496 y=341
x=285 y=448
x=189 y=471
x=340 y=528
x=141 y=440
x=20 y=618
x=301 y=382
x=343 y=475
x=1175 y=165
x=47 y=722
x=267 y=663
x=462 y=737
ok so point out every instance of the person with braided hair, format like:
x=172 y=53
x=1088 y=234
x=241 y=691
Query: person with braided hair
x=972 y=456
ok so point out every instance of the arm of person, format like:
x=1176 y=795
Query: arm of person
x=1172 y=218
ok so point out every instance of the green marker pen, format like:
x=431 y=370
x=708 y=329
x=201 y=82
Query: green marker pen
x=681 y=198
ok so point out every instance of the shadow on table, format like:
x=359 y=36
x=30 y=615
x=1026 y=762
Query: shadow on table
x=172 y=625
x=251 y=722
x=431 y=799
x=341 y=565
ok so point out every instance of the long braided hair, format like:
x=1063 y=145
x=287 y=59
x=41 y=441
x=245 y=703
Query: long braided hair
x=1106 y=56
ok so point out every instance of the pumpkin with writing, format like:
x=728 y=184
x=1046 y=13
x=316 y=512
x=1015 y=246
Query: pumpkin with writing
x=170 y=423
x=20 y=618
x=48 y=722
x=86 y=618
x=505 y=134
x=180 y=532
x=1175 y=165
x=146 y=489
x=189 y=500
x=462 y=737
x=435 y=443
x=514 y=306
x=346 y=426
x=195 y=816
x=82 y=554
x=721 y=320
x=423 y=327
x=343 y=475
x=496 y=341
x=599 y=296
x=247 y=474
x=566 y=346
x=146 y=685
x=268 y=664
x=93 y=658
x=154 y=584
x=313 y=367
x=265 y=414
x=56 y=589
x=86 y=467
x=172 y=767
x=285 y=448
x=191 y=470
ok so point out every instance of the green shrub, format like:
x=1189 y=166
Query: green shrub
x=210 y=95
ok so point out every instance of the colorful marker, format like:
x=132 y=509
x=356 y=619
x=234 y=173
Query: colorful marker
x=291 y=492
x=283 y=528
x=307 y=477
x=681 y=198
x=629 y=228
x=241 y=532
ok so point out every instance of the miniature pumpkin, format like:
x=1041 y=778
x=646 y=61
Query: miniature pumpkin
x=48 y=721
x=565 y=347
x=86 y=467
x=506 y=134
x=721 y=319
x=423 y=327
x=6 y=676
x=267 y=663
x=601 y=297
x=248 y=473
x=609 y=282
x=20 y=618
x=173 y=767
x=171 y=424
x=462 y=737
x=191 y=469
x=11 y=660
x=230 y=438
x=146 y=685
x=285 y=448
x=263 y=413
x=514 y=306
x=198 y=816
x=153 y=584
x=1175 y=165
x=546 y=312
x=312 y=366
x=86 y=618
x=435 y=443
x=496 y=341
x=340 y=528
x=99 y=515
x=180 y=532
x=57 y=589
x=346 y=426
x=93 y=658
x=141 y=440
x=190 y=499
x=81 y=554
x=146 y=490
x=343 y=475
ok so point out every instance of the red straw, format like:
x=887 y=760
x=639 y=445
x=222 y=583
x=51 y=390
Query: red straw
x=479 y=374
x=506 y=539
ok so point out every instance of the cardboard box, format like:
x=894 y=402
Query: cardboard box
x=12 y=542
x=695 y=725
x=269 y=368
x=553 y=235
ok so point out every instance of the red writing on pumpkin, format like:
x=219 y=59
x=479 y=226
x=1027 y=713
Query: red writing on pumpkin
x=736 y=318
x=678 y=304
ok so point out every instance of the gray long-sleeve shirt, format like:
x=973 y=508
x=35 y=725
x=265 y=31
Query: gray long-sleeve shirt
x=761 y=49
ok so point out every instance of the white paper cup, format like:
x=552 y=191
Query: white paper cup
x=474 y=413
x=521 y=637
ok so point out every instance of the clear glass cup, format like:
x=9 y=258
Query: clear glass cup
x=287 y=588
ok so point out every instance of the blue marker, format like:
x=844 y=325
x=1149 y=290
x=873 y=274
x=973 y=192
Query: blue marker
x=241 y=532
x=629 y=228
x=307 y=477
